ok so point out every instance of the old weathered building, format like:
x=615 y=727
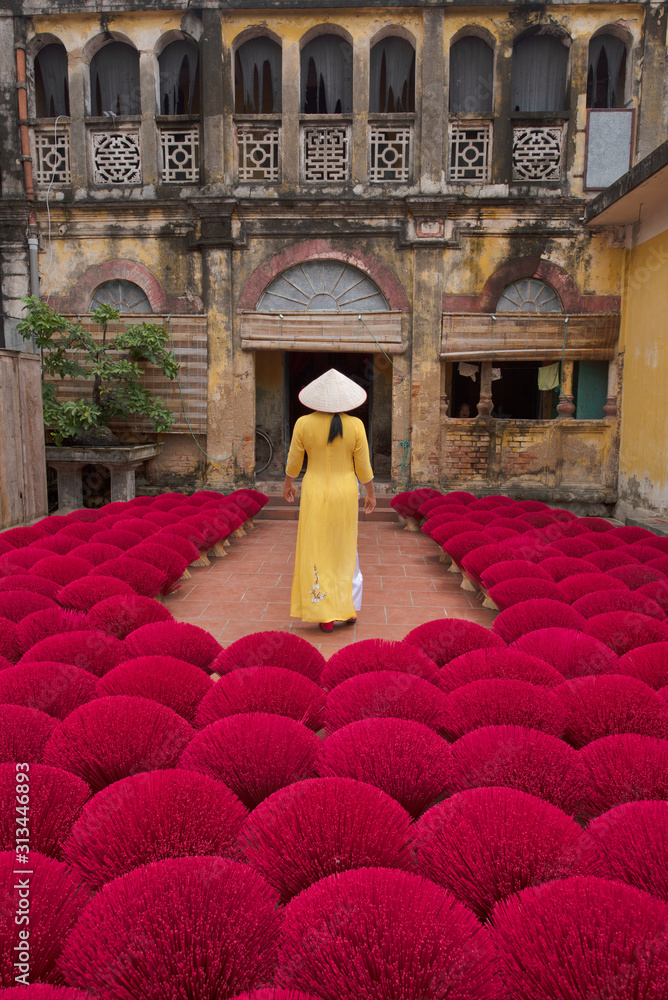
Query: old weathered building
x=397 y=189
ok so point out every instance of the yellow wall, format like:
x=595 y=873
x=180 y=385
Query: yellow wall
x=643 y=466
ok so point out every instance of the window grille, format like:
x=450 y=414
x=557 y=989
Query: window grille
x=52 y=156
x=116 y=157
x=180 y=155
x=537 y=152
x=470 y=149
x=259 y=152
x=390 y=150
x=326 y=153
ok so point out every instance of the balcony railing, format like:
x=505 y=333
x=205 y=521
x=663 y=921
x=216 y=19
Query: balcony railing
x=115 y=155
x=326 y=150
x=179 y=154
x=391 y=150
x=52 y=155
x=470 y=153
x=538 y=151
x=259 y=150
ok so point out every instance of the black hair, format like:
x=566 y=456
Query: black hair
x=335 y=428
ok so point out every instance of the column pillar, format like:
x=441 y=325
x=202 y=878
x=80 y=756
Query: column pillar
x=433 y=115
x=231 y=388
x=610 y=408
x=425 y=365
x=361 y=58
x=291 y=107
x=212 y=97
x=70 y=487
x=485 y=405
x=123 y=480
x=78 y=137
x=566 y=406
x=147 y=130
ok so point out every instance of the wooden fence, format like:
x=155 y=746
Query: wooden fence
x=22 y=461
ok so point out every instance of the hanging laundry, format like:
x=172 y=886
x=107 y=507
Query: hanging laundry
x=467 y=370
x=548 y=377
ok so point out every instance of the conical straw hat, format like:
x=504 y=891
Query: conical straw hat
x=332 y=393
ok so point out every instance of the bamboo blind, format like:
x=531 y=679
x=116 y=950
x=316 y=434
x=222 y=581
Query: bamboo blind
x=539 y=336
x=322 y=331
x=189 y=334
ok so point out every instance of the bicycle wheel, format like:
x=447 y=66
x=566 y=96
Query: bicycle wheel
x=264 y=451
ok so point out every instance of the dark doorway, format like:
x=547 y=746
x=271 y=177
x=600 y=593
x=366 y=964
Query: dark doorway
x=515 y=395
x=302 y=367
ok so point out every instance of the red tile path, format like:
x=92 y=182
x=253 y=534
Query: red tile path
x=249 y=590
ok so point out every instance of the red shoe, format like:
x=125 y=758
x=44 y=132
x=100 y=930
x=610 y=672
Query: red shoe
x=326 y=626
x=350 y=621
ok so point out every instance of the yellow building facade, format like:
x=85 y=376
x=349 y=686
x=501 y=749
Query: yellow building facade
x=395 y=191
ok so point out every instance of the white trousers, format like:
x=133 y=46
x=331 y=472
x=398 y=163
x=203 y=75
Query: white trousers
x=357 y=584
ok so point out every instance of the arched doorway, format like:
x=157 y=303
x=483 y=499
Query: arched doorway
x=326 y=288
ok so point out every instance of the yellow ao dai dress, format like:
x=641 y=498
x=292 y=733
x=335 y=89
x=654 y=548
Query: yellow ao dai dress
x=328 y=514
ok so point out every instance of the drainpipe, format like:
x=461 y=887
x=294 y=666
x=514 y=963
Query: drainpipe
x=22 y=95
x=33 y=259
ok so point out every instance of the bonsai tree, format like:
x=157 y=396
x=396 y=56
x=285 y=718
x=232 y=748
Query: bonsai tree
x=109 y=364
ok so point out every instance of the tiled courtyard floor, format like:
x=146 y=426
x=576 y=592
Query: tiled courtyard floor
x=249 y=590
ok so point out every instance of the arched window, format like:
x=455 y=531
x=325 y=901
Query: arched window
x=124 y=295
x=114 y=81
x=179 y=79
x=327 y=76
x=392 y=85
x=606 y=73
x=323 y=286
x=540 y=67
x=471 y=75
x=529 y=295
x=257 y=77
x=52 y=96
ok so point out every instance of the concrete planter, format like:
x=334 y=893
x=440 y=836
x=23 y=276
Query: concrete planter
x=122 y=460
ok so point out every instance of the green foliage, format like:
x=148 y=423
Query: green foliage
x=111 y=365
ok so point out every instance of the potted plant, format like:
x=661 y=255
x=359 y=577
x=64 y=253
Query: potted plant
x=110 y=364
x=110 y=367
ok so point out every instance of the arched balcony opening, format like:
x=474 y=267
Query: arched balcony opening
x=327 y=76
x=609 y=120
x=179 y=97
x=179 y=79
x=606 y=72
x=114 y=81
x=539 y=99
x=471 y=93
x=471 y=76
x=391 y=92
x=392 y=78
x=257 y=77
x=258 y=67
x=326 y=90
x=539 y=74
x=52 y=96
x=51 y=142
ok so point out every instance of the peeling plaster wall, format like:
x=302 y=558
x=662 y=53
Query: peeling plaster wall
x=643 y=467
